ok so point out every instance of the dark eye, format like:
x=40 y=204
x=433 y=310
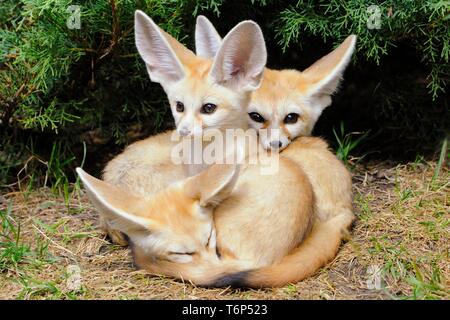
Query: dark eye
x=255 y=116
x=208 y=108
x=180 y=106
x=291 y=118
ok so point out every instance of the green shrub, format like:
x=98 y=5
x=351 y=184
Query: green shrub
x=64 y=86
x=76 y=85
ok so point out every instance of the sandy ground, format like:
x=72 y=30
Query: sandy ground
x=399 y=249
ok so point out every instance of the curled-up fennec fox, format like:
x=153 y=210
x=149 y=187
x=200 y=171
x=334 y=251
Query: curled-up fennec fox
x=252 y=222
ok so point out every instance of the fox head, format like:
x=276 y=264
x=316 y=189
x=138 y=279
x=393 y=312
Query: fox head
x=289 y=102
x=175 y=224
x=204 y=93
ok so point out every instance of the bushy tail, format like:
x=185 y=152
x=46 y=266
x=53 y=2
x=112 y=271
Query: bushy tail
x=315 y=251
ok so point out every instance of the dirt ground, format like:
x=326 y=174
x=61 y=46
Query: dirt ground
x=51 y=248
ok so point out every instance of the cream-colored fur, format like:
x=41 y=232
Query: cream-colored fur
x=258 y=219
x=286 y=92
x=204 y=94
x=246 y=237
x=306 y=93
x=225 y=81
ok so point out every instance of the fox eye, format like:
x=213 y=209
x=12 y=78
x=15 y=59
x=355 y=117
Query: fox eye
x=180 y=106
x=208 y=108
x=291 y=118
x=180 y=257
x=255 y=116
x=182 y=253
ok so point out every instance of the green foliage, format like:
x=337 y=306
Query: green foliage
x=64 y=87
x=12 y=250
x=423 y=24
x=15 y=253
x=62 y=82
x=58 y=77
x=208 y=5
x=346 y=142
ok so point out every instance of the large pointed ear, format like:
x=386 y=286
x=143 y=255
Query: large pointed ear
x=120 y=208
x=240 y=60
x=212 y=185
x=207 y=39
x=324 y=75
x=162 y=63
x=183 y=54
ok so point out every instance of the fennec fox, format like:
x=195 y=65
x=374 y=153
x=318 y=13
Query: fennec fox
x=204 y=94
x=288 y=101
x=291 y=102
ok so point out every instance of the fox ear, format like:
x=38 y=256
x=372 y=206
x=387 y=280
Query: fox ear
x=324 y=75
x=120 y=208
x=207 y=39
x=162 y=64
x=182 y=53
x=212 y=185
x=239 y=63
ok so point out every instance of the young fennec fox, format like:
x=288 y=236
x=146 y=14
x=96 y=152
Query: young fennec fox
x=252 y=221
x=203 y=94
x=291 y=102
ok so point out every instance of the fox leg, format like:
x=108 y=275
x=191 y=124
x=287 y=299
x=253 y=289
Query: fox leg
x=115 y=236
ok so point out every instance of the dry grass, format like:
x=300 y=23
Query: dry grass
x=403 y=230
